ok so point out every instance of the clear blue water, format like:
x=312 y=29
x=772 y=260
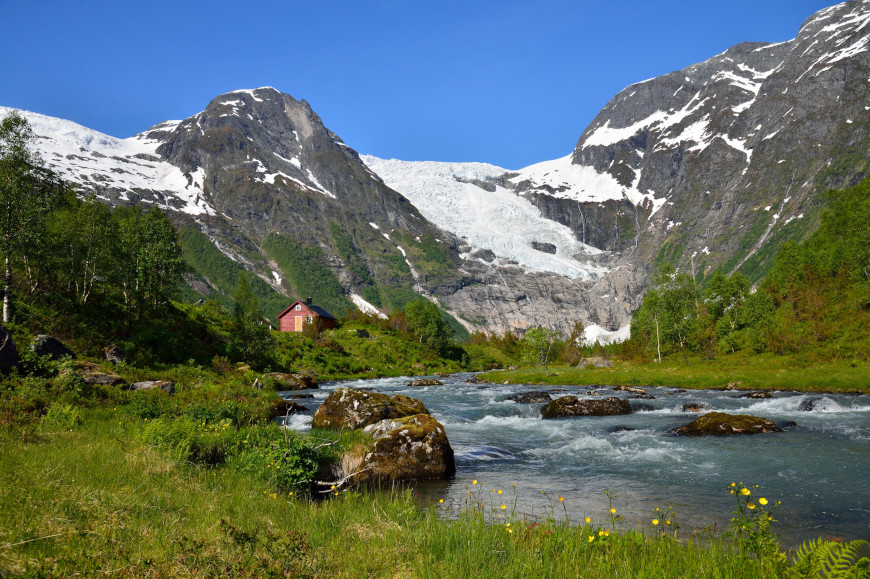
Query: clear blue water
x=819 y=469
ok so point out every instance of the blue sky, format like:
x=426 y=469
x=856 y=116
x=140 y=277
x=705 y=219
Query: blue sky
x=505 y=82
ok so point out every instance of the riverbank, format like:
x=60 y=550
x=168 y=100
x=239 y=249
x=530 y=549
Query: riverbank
x=94 y=499
x=743 y=372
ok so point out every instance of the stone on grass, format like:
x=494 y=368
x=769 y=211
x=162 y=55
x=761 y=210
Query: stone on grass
x=43 y=345
x=8 y=353
x=164 y=385
x=285 y=381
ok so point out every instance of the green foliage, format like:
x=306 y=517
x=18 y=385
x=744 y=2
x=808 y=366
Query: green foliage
x=304 y=268
x=186 y=439
x=541 y=346
x=826 y=558
x=223 y=273
x=427 y=325
x=285 y=459
x=251 y=340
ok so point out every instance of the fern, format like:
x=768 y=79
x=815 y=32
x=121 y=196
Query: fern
x=821 y=558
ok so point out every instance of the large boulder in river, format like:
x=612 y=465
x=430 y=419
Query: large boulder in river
x=573 y=406
x=8 y=354
x=284 y=381
x=530 y=397
x=410 y=448
x=721 y=424
x=346 y=408
x=43 y=345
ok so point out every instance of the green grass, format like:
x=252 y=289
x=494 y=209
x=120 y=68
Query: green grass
x=97 y=500
x=763 y=371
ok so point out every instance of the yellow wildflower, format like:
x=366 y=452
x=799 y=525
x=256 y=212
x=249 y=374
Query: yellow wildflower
x=655 y=521
x=750 y=506
x=606 y=533
x=612 y=511
x=498 y=491
x=762 y=501
x=733 y=484
x=474 y=482
x=591 y=538
x=588 y=520
x=561 y=498
x=600 y=533
x=745 y=492
x=503 y=507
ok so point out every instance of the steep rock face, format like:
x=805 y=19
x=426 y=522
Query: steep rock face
x=740 y=146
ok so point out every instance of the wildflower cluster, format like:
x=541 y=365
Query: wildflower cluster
x=664 y=522
x=751 y=524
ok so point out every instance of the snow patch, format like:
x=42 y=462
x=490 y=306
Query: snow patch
x=365 y=307
x=595 y=333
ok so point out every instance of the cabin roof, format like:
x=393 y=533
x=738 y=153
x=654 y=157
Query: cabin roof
x=315 y=309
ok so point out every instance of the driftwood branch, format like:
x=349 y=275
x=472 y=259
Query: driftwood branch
x=339 y=483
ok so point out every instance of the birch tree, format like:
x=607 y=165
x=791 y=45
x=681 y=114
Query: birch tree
x=28 y=190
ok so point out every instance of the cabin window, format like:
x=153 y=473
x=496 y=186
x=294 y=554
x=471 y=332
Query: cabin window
x=308 y=319
x=298 y=307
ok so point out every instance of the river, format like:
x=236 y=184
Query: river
x=819 y=469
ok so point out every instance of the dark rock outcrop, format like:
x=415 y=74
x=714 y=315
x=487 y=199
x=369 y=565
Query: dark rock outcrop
x=91 y=374
x=695 y=407
x=530 y=397
x=410 y=448
x=573 y=406
x=346 y=408
x=8 y=353
x=43 y=345
x=721 y=424
x=425 y=382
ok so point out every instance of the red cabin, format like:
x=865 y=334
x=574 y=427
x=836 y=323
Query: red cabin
x=294 y=318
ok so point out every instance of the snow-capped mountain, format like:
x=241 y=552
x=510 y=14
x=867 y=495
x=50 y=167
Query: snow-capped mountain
x=711 y=167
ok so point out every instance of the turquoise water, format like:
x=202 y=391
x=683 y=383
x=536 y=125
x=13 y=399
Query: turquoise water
x=819 y=469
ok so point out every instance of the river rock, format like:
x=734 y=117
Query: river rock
x=282 y=407
x=43 y=345
x=695 y=407
x=425 y=382
x=113 y=354
x=284 y=381
x=410 y=448
x=164 y=385
x=632 y=389
x=809 y=404
x=756 y=395
x=595 y=362
x=346 y=408
x=573 y=406
x=299 y=396
x=721 y=424
x=530 y=397
x=8 y=353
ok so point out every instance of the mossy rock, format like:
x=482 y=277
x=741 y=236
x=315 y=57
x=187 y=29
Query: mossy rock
x=346 y=408
x=284 y=381
x=410 y=448
x=573 y=406
x=282 y=407
x=721 y=424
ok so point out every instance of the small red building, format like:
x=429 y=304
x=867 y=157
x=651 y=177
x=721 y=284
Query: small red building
x=294 y=318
